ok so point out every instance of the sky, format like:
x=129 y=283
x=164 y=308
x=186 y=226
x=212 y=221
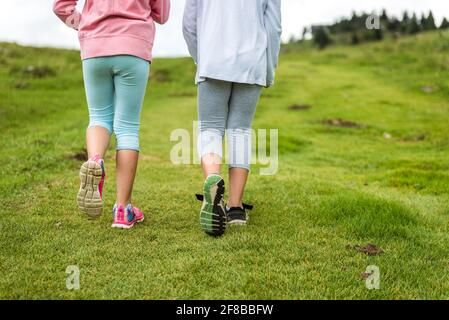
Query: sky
x=32 y=22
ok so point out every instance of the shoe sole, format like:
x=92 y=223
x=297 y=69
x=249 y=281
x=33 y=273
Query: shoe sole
x=212 y=214
x=237 y=222
x=124 y=226
x=88 y=198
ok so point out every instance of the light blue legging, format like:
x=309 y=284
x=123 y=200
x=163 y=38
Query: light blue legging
x=115 y=89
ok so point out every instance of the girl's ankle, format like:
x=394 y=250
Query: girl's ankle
x=123 y=204
x=234 y=204
x=96 y=158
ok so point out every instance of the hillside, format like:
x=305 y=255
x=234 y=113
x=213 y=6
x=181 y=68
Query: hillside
x=363 y=159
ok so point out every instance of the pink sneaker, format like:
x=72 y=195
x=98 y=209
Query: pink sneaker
x=125 y=218
x=90 y=194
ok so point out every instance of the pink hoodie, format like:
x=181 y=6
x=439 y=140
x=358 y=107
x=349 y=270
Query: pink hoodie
x=114 y=27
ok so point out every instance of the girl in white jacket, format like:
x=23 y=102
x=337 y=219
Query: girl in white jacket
x=235 y=44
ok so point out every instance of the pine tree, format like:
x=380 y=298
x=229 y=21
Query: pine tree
x=384 y=19
x=423 y=22
x=414 y=27
x=444 y=24
x=430 y=22
x=405 y=17
x=321 y=36
x=394 y=25
x=405 y=22
x=384 y=22
x=384 y=16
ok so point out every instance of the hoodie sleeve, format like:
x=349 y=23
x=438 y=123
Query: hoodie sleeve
x=160 y=10
x=189 y=28
x=66 y=11
x=273 y=26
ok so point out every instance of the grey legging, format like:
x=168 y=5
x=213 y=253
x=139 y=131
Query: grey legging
x=227 y=107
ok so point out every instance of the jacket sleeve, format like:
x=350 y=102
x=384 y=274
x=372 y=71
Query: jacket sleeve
x=273 y=26
x=66 y=11
x=160 y=10
x=189 y=28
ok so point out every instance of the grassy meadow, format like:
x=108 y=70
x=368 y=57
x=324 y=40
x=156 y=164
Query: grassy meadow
x=363 y=159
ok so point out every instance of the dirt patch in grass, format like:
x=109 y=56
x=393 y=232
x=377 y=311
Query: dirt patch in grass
x=79 y=155
x=21 y=85
x=38 y=72
x=418 y=138
x=342 y=123
x=365 y=275
x=429 y=89
x=370 y=249
x=161 y=76
x=300 y=107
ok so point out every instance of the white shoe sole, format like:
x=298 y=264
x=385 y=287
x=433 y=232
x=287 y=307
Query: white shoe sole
x=88 y=198
x=237 y=222
x=124 y=226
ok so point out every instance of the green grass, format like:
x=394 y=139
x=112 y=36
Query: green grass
x=335 y=186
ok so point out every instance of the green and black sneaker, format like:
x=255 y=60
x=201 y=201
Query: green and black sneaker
x=213 y=214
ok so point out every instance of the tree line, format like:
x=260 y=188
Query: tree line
x=355 y=30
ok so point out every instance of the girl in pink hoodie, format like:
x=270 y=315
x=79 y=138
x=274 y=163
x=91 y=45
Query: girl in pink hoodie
x=116 y=39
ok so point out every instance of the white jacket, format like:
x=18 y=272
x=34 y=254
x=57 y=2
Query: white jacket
x=234 y=40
